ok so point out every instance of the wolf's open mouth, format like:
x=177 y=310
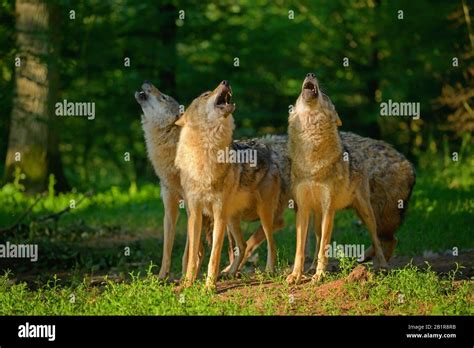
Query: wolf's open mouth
x=142 y=95
x=224 y=97
x=310 y=86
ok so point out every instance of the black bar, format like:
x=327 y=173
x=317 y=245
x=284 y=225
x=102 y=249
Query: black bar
x=134 y=331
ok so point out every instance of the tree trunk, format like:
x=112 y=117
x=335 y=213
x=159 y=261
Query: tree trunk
x=33 y=145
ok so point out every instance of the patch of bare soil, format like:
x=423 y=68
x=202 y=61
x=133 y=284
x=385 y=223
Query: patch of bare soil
x=302 y=299
x=306 y=298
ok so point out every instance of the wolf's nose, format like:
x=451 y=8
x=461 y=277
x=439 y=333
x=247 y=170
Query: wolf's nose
x=225 y=83
x=142 y=96
x=311 y=75
x=147 y=82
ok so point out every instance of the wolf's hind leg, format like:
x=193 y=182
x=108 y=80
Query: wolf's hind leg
x=184 y=262
x=239 y=251
x=388 y=246
x=266 y=218
x=253 y=243
x=369 y=253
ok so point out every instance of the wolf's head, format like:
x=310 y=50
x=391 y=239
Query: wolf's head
x=313 y=99
x=157 y=107
x=210 y=107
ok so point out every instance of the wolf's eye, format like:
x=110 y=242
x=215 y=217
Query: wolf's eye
x=205 y=94
x=163 y=97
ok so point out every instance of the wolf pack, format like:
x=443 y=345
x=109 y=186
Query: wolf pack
x=315 y=166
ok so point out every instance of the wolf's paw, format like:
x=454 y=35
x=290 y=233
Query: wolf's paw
x=270 y=271
x=293 y=278
x=381 y=269
x=229 y=275
x=380 y=265
x=312 y=268
x=168 y=280
x=224 y=275
x=318 y=277
x=162 y=275
x=226 y=270
x=182 y=286
x=211 y=286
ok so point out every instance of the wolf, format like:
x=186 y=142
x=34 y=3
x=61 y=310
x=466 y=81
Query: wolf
x=227 y=192
x=391 y=180
x=326 y=176
x=391 y=176
x=160 y=112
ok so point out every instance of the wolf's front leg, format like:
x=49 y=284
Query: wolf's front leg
x=217 y=241
x=170 y=201
x=326 y=232
x=184 y=264
x=302 y=221
x=317 y=237
x=364 y=209
x=194 y=239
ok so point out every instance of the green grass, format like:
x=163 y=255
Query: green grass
x=89 y=241
x=407 y=291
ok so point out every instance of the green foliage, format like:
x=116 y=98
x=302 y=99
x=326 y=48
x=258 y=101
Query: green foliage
x=402 y=60
x=405 y=59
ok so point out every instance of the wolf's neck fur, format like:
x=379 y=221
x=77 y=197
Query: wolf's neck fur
x=161 y=144
x=198 y=151
x=314 y=139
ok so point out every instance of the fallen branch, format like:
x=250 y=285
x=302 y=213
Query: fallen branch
x=22 y=216
x=53 y=216
x=57 y=215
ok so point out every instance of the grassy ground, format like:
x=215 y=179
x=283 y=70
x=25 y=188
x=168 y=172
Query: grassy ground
x=83 y=267
x=407 y=291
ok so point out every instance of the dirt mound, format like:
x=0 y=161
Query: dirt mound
x=358 y=274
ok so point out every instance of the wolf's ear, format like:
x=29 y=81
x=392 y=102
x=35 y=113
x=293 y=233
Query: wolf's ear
x=332 y=109
x=180 y=122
